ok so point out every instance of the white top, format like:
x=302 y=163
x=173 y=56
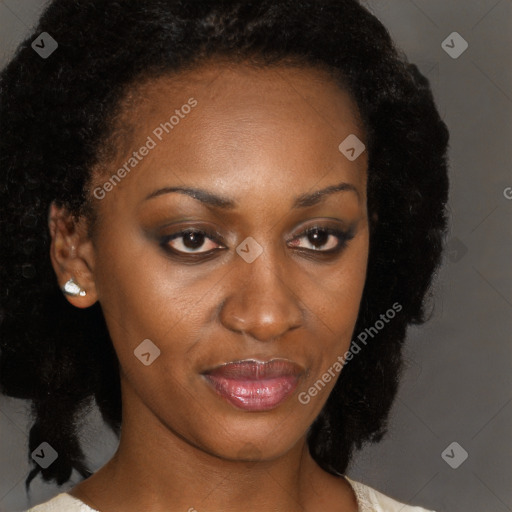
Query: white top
x=368 y=500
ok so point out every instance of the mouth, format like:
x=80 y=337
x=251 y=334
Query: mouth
x=253 y=385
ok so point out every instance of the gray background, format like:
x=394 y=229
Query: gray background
x=457 y=386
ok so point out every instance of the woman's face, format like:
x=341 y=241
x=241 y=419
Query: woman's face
x=256 y=146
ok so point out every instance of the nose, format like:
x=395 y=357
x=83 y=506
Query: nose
x=265 y=305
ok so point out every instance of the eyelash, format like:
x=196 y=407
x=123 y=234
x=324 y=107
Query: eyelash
x=342 y=236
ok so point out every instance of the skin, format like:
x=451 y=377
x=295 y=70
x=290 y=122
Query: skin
x=261 y=138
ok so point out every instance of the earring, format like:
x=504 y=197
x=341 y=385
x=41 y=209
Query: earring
x=73 y=289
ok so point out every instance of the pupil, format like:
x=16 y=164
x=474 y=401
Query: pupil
x=318 y=238
x=193 y=240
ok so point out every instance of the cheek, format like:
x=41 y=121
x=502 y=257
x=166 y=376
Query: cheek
x=145 y=297
x=142 y=295
x=334 y=300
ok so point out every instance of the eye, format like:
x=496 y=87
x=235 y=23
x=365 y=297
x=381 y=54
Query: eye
x=322 y=239
x=190 y=241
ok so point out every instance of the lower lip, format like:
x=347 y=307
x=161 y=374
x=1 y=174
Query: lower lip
x=254 y=395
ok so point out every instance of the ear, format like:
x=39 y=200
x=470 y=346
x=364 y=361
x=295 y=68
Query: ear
x=72 y=254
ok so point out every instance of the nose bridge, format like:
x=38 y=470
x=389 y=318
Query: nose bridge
x=262 y=302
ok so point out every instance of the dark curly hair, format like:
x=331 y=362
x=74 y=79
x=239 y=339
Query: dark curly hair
x=56 y=115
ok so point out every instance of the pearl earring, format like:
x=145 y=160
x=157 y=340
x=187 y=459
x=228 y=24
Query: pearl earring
x=73 y=289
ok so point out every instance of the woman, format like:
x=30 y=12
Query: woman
x=218 y=220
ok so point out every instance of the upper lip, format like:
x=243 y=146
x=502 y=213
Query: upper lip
x=253 y=369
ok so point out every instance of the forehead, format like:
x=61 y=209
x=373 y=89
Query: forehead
x=244 y=120
x=233 y=91
x=228 y=89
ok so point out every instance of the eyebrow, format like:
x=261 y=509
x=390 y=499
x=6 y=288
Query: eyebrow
x=302 y=201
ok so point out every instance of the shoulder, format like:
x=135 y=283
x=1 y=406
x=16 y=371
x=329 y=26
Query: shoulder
x=370 y=500
x=63 y=502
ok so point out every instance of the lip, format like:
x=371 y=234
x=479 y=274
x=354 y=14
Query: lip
x=254 y=385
